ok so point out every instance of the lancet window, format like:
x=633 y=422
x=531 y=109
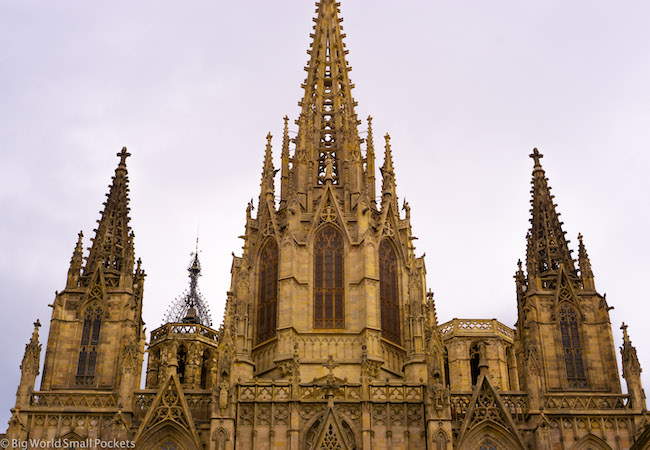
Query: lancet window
x=474 y=359
x=572 y=348
x=268 y=296
x=181 y=358
x=389 y=292
x=328 y=279
x=89 y=345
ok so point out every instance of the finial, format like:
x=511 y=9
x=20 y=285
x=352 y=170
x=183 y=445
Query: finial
x=268 y=138
x=387 y=137
x=37 y=324
x=626 y=338
x=123 y=155
x=286 y=122
x=536 y=155
x=519 y=264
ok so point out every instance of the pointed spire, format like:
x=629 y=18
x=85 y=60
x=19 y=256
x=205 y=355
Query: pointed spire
x=268 y=172
x=191 y=307
x=631 y=365
x=370 y=162
x=520 y=280
x=76 y=263
x=112 y=245
x=328 y=123
x=32 y=355
x=547 y=245
x=585 y=265
x=632 y=373
x=387 y=170
x=284 y=181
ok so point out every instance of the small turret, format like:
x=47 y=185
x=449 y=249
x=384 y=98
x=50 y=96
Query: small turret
x=268 y=173
x=284 y=180
x=632 y=372
x=29 y=368
x=76 y=264
x=585 y=266
x=370 y=162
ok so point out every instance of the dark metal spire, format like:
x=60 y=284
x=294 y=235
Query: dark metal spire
x=191 y=307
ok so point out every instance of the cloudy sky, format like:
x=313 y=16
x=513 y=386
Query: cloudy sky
x=466 y=90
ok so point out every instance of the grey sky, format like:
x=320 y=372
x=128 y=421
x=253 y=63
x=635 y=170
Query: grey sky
x=466 y=90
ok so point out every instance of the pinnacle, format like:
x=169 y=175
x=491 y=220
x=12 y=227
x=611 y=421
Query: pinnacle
x=388 y=161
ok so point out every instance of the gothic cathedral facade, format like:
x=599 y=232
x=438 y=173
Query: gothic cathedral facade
x=330 y=339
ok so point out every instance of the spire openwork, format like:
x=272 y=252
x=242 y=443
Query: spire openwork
x=547 y=244
x=112 y=246
x=328 y=118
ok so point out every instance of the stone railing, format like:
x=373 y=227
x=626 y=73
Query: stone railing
x=264 y=392
x=586 y=401
x=321 y=392
x=184 y=328
x=76 y=400
x=476 y=327
x=393 y=355
x=199 y=404
x=516 y=403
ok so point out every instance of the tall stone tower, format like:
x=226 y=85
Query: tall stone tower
x=328 y=290
x=94 y=352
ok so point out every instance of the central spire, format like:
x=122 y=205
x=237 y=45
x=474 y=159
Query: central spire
x=328 y=123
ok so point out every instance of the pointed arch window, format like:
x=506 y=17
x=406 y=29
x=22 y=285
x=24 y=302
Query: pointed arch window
x=389 y=292
x=572 y=348
x=89 y=345
x=268 y=297
x=328 y=279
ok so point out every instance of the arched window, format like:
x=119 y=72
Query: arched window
x=447 y=377
x=267 y=310
x=572 y=350
x=328 y=279
x=205 y=369
x=488 y=445
x=474 y=358
x=389 y=292
x=89 y=345
x=441 y=441
x=181 y=356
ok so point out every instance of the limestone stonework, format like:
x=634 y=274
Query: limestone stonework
x=330 y=338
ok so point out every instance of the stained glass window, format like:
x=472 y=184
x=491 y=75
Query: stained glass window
x=572 y=349
x=488 y=445
x=389 y=292
x=268 y=276
x=328 y=279
x=89 y=345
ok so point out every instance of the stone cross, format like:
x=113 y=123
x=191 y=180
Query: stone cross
x=330 y=365
x=536 y=155
x=123 y=155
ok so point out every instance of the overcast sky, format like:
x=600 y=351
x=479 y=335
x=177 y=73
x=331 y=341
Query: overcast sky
x=466 y=90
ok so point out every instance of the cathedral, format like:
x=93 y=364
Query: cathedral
x=330 y=338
